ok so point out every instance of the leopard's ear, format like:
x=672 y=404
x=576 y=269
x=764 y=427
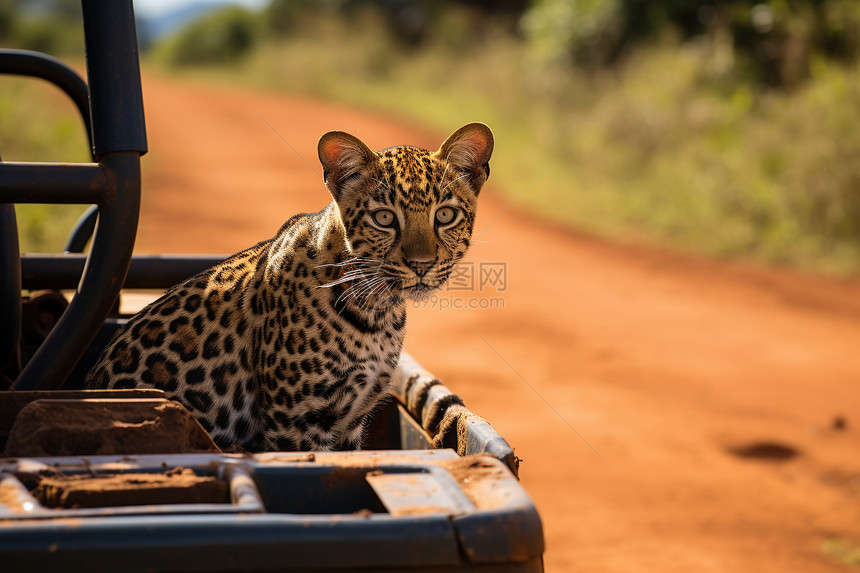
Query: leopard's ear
x=469 y=149
x=343 y=158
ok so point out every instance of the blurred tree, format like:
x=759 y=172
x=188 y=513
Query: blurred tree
x=410 y=22
x=781 y=39
x=283 y=16
x=51 y=26
x=572 y=31
x=775 y=40
x=7 y=20
x=221 y=36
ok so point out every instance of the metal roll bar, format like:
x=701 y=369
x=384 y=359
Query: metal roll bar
x=115 y=120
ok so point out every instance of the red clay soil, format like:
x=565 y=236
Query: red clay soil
x=673 y=414
x=105 y=427
x=176 y=486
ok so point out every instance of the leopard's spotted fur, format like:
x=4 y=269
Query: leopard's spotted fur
x=290 y=344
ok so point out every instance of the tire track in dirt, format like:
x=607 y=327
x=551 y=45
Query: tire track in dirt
x=665 y=364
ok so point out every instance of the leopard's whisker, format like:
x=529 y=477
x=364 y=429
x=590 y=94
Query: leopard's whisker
x=388 y=291
x=389 y=286
x=343 y=294
x=355 y=290
x=362 y=289
x=351 y=275
x=344 y=279
x=445 y=172
x=379 y=286
x=376 y=289
x=354 y=260
x=453 y=181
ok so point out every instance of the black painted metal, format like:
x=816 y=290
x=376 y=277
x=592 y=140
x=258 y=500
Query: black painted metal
x=10 y=294
x=80 y=183
x=34 y=64
x=113 y=69
x=63 y=271
x=119 y=138
x=102 y=279
x=83 y=231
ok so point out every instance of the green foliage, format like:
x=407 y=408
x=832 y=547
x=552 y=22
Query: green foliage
x=223 y=36
x=54 y=26
x=734 y=173
x=7 y=19
x=38 y=123
x=561 y=32
x=772 y=41
x=45 y=228
x=283 y=16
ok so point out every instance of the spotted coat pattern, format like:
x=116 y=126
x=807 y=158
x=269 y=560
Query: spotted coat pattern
x=290 y=344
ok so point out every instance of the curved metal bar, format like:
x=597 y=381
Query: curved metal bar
x=83 y=231
x=119 y=139
x=103 y=277
x=34 y=64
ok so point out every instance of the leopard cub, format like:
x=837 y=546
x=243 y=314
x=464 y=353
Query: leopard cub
x=290 y=344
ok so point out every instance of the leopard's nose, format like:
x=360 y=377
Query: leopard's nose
x=420 y=268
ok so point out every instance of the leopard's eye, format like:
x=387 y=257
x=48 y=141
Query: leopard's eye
x=384 y=217
x=445 y=215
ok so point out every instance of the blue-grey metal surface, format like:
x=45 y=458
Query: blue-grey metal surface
x=431 y=402
x=419 y=493
x=440 y=526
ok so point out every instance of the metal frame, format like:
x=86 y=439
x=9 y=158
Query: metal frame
x=157 y=272
x=112 y=109
x=397 y=511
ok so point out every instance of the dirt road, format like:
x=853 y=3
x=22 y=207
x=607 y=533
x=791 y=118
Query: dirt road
x=674 y=414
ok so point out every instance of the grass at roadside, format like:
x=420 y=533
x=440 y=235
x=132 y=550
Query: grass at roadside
x=37 y=123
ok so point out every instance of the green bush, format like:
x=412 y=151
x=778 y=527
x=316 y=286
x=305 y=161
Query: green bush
x=54 y=27
x=774 y=42
x=38 y=123
x=223 y=36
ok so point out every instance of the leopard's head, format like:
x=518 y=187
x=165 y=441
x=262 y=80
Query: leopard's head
x=407 y=213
